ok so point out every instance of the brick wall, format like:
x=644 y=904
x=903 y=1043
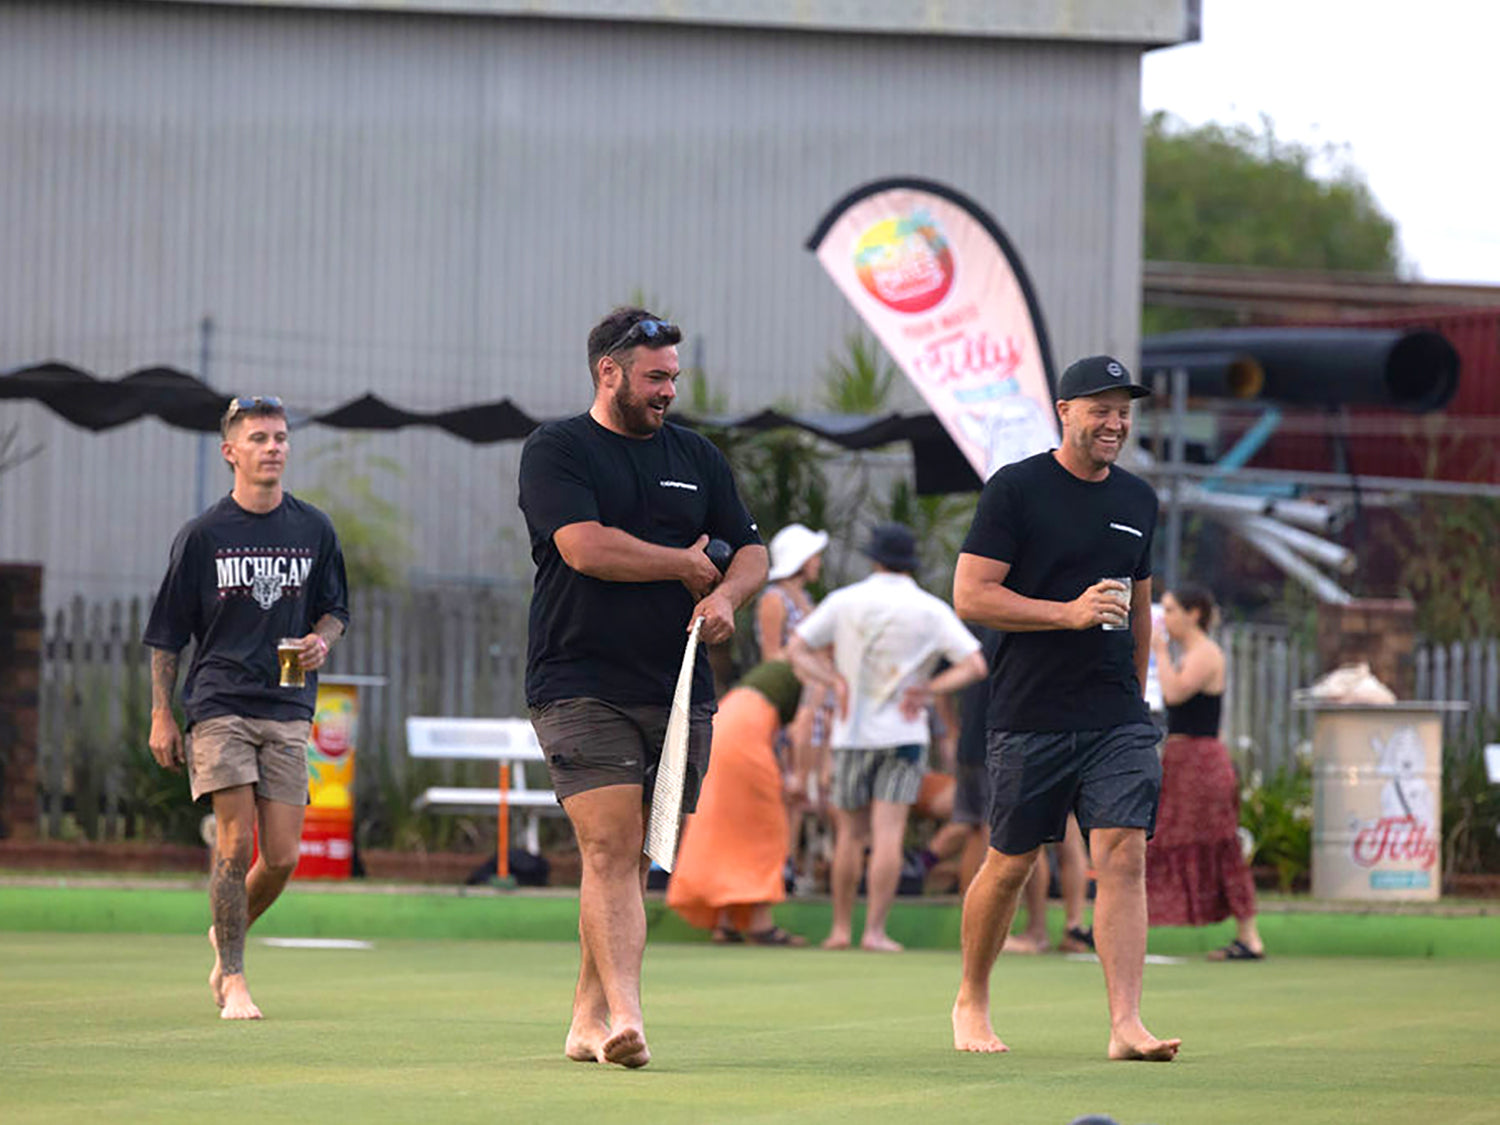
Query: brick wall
x=1377 y=632
x=20 y=680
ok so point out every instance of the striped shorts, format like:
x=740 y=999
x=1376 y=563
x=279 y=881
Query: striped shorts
x=892 y=773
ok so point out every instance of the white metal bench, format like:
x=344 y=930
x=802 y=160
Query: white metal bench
x=507 y=741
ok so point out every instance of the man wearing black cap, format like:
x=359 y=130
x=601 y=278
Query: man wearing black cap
x=887 y=636
x=1059 y=560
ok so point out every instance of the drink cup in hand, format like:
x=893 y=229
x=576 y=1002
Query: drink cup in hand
x=289 y=657
x=1124 y=599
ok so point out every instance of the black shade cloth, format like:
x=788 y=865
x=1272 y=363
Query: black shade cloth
x=182 y=400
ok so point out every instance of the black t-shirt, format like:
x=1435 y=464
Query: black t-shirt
x=237 y=583
x=1060 y=535
x=619 y=641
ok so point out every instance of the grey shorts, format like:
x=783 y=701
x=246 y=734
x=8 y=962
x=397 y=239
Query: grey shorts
x=1109 y=778
x=231 y=750
x=590 y=744
x=971 y=794
x=892 y=773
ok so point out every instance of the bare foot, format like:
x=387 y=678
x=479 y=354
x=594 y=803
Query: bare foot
x=586 y=1042
x=1024 y=944
x=237 y=1002
x=972 y=1031
x=879 y=943
x=1139 y=1045
x=216 y=974
x=626 y=1047
x=836 y=940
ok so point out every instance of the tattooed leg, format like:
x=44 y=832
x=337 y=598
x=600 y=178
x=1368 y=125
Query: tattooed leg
x=234 y=811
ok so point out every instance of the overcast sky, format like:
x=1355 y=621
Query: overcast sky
x=1411 y=90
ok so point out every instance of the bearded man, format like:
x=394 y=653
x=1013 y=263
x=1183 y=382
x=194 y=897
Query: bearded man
x=619 y=504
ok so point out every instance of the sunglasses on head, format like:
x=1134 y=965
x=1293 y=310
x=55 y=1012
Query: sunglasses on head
x=251 y=402
x=645 y=331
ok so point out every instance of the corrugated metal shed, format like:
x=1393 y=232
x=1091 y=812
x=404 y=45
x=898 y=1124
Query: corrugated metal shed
x=437 y=208
x=1157 y=22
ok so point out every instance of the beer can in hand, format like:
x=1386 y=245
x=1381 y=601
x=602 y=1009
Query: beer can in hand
x=1124 y=597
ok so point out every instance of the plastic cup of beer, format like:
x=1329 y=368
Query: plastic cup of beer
x=289 y=656
x=1124 y=598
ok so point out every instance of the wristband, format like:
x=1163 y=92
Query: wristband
x=319 y=638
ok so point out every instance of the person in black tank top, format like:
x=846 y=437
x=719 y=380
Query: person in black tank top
x=1196 y=716
x=1195 y=871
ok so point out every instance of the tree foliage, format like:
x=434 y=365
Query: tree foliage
x=1235 y=195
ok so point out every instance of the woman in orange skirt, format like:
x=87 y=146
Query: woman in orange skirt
x=1195 y=872
x=730 y=860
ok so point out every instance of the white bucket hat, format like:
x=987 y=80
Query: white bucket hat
x=791 y=547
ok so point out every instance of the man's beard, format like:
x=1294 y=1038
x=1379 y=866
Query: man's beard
x=1094 y=456
x=635 y=414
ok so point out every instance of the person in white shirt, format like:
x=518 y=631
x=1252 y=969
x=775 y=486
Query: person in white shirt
x=887 y=636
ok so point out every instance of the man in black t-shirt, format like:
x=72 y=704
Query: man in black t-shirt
x=258 y=567
x=620 y=505
x=1059 y=559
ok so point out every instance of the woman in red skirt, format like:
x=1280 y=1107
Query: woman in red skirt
x=1195 y=872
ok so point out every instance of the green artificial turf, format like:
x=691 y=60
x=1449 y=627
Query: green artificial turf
x=119 y=1027
x=314 y=911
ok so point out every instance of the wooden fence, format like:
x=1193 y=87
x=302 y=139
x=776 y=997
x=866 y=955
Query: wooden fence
x=463 y=653
x=1264 y=666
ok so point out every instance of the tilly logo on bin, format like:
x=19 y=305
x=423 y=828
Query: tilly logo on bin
x=1406 y=832
x=905 y=263
x=1394 y=839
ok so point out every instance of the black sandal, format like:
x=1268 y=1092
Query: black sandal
x=1236 y=951
x=775 y=936
x=726 y=935
x=1079 y=939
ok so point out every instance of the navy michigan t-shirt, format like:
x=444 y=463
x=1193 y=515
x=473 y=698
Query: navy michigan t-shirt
x=1061 y=535
x=238 y=581
x=619 y=641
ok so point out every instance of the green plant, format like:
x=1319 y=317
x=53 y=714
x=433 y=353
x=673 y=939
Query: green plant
x=372 y=529
x=1471 y=806
x=861 y=379
x=387 y=819
x=159 y=799
x=1448 y=549
x=1278 y=812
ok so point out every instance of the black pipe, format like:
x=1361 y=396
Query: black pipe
x=1413 y=370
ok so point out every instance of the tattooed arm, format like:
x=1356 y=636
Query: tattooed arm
x=165 y=740
x=315 y=645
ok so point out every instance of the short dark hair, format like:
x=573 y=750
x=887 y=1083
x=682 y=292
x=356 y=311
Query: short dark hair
x=606 y=336
x=249 y=406
x=1191 y=597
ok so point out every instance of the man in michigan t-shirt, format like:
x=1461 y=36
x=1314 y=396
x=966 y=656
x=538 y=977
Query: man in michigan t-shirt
x=1059 y=560
x=620 y=505
x=257 y=567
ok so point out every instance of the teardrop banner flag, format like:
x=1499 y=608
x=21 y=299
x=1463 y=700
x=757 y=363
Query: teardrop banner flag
x=937 y=281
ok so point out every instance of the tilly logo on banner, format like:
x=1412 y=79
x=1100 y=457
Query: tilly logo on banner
x=938 y=282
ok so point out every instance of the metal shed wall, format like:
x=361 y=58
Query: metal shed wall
x=436 y=209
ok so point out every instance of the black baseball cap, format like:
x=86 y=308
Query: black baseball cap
x=1094 y=374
